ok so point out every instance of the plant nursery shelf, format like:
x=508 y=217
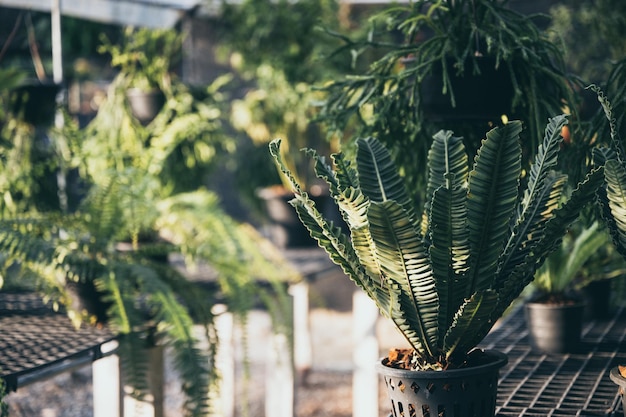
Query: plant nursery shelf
x=573 y=384
x=37 y=343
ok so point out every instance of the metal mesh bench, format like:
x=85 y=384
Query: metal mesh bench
x=574 y=384
x=37 y=342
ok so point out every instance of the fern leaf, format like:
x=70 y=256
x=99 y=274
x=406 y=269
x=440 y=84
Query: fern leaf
x=544 y=162
x=449 y=250
x=492 y=194
x=530 y=227
x=404 y=261
x=447 y=160
x=378 y=176
x=615 y=174
x=471 y=323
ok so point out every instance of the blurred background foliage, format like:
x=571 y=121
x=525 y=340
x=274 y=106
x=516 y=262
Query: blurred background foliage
x=280 y=57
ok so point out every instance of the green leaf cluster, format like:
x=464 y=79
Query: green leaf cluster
x=444 y=277
x=144 y=56
x=452 y=37
x=563 y=270
x=612 y=197
x=140 y=201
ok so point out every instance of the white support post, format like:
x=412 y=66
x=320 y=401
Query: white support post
x=279 y=373
x=107 y=385
x=152 y=404
x=57 y=52
x=279 y=387
x=366 y=352
x=303 y=352
x=225 y=361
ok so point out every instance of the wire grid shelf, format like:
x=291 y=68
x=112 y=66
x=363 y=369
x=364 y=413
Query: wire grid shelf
x=574 y=384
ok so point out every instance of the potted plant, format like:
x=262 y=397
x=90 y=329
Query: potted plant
x=274 y=48
x=277 y=105
x=145 y=58
x=36 y=102
x=138 y=205
x=450 y=64
x=445 y=277
x=554 y=313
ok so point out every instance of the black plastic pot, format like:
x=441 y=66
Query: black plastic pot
x=467 y=392
x=621 y=382
x=36 y=103
x=145 y=105
x=598 y=299
x=554 y=328
x=478 y=97
x=86 y=298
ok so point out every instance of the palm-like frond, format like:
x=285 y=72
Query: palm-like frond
x=449 y=250
x=544 y=162
x=470 y=324
x=541 y=197
x=450 y=152
x=552 y=233
x=333 y=240
x=530 y=227
x=615 y=175
x=404 y=262
x=612 y=198
x=446 y=210
x=492 y=194
x=378 y=176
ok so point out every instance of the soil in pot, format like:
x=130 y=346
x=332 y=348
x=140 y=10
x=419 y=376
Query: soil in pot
x=554 y=323
x=465 y=392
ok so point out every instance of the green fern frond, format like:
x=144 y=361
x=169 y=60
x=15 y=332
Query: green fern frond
x=529 y=230
x=449 y=249
x=615 y=197
x=417 y=297
x=492 y=194
x=378 y=177
x=470 y=324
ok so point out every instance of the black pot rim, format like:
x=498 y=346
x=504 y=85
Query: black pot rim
x=499 y=359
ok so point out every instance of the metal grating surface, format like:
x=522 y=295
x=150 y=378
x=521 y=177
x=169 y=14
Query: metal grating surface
x=35 y=339
x=574 y=384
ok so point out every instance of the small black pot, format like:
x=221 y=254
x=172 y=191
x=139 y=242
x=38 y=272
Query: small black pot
x=554 y=328
x=145 y=105
x=87 y=299
x=36 y=103
x=598 y=298
x=479 y=97
x=621 y=382
x=466 y=392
